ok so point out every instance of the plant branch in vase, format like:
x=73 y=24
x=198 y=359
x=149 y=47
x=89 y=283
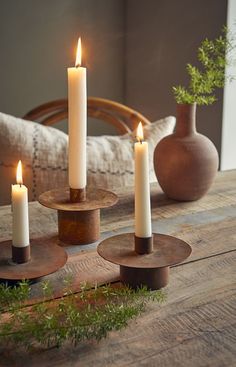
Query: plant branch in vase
x=186 y=162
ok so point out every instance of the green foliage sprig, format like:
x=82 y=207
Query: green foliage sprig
x=213 y=56
x=89 y=314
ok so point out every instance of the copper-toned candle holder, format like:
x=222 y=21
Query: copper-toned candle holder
x=46 y=257
x=144 y=261
x=77 y=195
x=78 y=212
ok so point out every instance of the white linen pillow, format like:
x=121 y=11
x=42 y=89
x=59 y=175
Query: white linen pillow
x=43 y=151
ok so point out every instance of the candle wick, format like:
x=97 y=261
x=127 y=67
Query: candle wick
x=139 y=139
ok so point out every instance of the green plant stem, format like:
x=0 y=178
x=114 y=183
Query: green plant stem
x=90 y=314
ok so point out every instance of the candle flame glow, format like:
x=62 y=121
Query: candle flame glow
x=78 y=54
x=139 y=135
x=19 y=179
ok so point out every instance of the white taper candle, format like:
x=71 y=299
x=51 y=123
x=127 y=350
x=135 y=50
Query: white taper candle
x=20 y=223
x=143 y=226
x=77 y=118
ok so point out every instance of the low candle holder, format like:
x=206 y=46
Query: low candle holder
x=42 y=257
x=144 y=261
x=78 y=212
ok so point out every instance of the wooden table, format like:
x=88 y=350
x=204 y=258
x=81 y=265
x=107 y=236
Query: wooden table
x=196 y=325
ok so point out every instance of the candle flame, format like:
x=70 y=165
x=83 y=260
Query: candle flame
x=19 y=179
x=140 y=132
x=78 y=54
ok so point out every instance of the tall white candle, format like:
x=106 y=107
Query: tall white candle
x=20 y=224
x=77 y=117
x=143 y=226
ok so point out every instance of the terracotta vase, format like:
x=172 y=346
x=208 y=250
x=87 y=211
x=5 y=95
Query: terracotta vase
x=185 y=162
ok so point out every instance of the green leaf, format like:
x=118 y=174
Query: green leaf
x=213 y=56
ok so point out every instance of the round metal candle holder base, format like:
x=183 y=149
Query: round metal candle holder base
x=46 y=257
x=78 y=222
x=150 y=270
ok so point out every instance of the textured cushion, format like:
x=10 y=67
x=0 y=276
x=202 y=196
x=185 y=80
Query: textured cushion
x=43 y=151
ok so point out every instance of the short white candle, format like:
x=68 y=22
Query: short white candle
x=143 y=226
x=20 y=224
x=77 y=118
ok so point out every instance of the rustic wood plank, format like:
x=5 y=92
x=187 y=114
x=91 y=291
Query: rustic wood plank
x=87 y=267
x=206 y=238
x=195 y=327
x=222 y=194
x=209 y=232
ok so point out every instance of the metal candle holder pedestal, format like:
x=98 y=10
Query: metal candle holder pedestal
x=40 y=258
x=144 y=261
x=78 y=212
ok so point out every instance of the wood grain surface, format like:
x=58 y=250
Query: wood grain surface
x=196 y=325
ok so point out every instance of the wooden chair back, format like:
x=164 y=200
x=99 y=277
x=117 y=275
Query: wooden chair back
x=123 y=118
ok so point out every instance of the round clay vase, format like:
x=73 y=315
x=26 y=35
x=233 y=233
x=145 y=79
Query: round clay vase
x=185 y=162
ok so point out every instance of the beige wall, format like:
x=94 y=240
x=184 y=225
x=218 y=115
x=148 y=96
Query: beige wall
x=37 y=43
x=162 y=36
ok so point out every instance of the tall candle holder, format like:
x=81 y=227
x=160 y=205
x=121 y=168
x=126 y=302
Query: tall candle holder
x=78 y=212
x=144 y=261
x=42 y=257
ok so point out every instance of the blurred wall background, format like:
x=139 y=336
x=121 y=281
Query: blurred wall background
x=38 y=40
x=162 y=37
x=135 y=51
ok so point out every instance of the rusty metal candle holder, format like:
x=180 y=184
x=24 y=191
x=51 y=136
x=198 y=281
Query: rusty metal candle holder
x=78 y=212
x=144 y=261
x=46 y=257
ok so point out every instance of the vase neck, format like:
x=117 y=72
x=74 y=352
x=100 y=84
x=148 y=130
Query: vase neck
x=186 y=119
